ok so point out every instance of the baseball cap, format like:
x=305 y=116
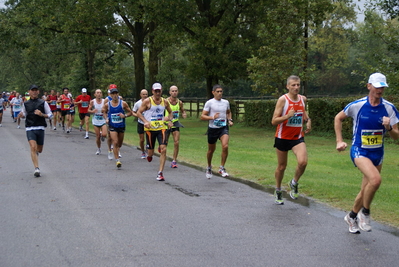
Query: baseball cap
x=84 y=90
x=157 y=86
x=114 y=90
x=112 y=86
x=33 y=86
x=378 y=80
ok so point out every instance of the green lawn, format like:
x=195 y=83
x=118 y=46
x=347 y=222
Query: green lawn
x=330 y=176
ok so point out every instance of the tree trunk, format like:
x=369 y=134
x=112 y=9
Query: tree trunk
x=91 y=54
x=139 y=65
x=153 y=64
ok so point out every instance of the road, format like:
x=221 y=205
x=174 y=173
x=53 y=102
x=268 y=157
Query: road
x=85 y=212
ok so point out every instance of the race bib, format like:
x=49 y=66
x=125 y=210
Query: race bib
x=296 y=120
x=85 y=104
x=67 y=106
x=115 y=118
x=372 y=138
x=53 y=102
x=98 y=116
x=219 y=122
x=175 y=115
x=17 y=106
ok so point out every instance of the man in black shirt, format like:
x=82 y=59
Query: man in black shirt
x=35 y=110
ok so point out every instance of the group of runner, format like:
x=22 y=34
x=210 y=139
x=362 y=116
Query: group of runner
x=158 y=118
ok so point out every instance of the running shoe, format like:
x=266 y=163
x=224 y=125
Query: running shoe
x=143 y=155
x=160 y=177
x=222 y=171
x=294 y=190
x=37 y=172
x=353 y=226
x=208 y=172
x=102 y=138
x=118 y=164
x=54 y=128
x=364 y=221
x=98 y=152
x=68 y=131
x=18 y=127
x=149 y=159
x=86 y=137
x=1 y=125
x=81 y=128
x=173 y=164
x=278 y=197
x=119 y=155
x=110 y=155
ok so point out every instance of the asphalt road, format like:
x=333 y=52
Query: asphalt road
x=85 y=212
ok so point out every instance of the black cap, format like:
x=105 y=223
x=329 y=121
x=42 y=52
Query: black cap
x=33 y=86
x=114 y=90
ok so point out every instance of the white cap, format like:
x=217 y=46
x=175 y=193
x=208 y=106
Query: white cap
x=378 y=80
x=84 y=90
x=157 y=86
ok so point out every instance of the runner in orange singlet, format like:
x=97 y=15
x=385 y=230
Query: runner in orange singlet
x=289 y=116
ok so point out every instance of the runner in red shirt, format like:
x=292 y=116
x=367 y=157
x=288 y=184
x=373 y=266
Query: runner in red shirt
x=66 y=102
x=52 y=102
x=83 y=102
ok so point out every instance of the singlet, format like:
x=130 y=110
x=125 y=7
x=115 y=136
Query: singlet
x=98 y=119
x=292 y=129
x=175 y=111
x=154 y=115
x=1 y=103
x=368 y=131
x=65 y=105
x=114 y=120
x=213 y=106
x=136 y=107
x=53 y=102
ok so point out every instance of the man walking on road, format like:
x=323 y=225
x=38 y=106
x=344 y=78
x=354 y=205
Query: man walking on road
x=217 y=112
x=35 y=110
x=289 y=116
x=177 y=108
x=154 y=124
x=140 y=123
x=372 y=117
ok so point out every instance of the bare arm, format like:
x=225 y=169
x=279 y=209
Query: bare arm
x=277 y=117
x=341 y=145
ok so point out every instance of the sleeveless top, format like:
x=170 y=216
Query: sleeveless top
x=114 y=120
x=155 y=116
x=53 y=102
x=98 y=119
x=175 y=111
x=292 y=129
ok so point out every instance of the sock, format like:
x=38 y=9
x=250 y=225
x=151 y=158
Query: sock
x=278 y=188
x=366 y=211
x=353 y=214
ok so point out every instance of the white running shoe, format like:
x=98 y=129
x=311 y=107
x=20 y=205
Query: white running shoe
x=208 y=172
x=37 y=172
x=98 y=152
x=18 y=127
x=353 y=226
x=222 y=171
x=364 y=221
x=110 y=155
x=119 y=155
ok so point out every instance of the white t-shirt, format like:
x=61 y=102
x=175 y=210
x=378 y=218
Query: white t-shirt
x=214 y=106
x=136 y=107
